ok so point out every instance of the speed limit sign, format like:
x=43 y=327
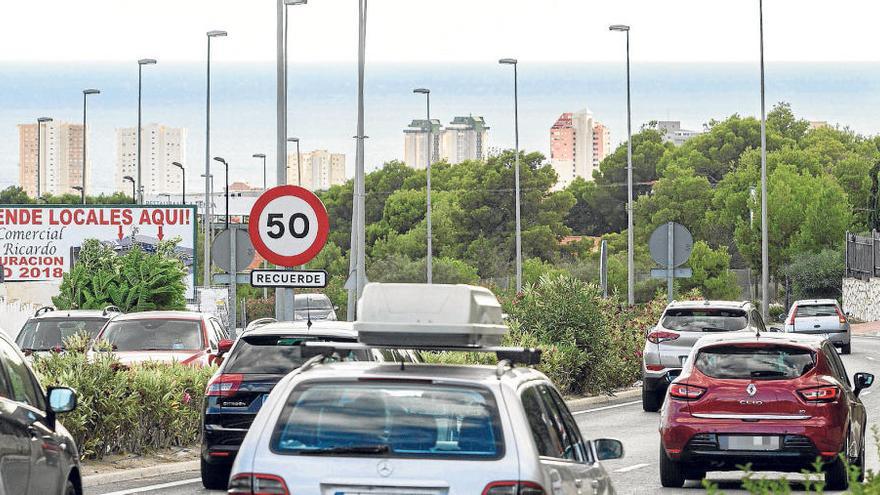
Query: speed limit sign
x=288 y=225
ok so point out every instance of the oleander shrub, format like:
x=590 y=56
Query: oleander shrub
x=121 y=409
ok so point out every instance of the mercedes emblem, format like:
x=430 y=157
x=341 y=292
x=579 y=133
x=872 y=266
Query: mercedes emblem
x=384 y=469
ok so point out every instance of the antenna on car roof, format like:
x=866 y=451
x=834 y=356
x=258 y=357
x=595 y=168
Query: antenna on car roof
x=308 y=313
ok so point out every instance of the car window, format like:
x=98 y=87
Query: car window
x=220 y=329
x=154 y=334
x=543 y=431
x=748 y=362
x=816 y=310
x=213 y=334
x=836 y=363
x=758 y=321
x=582 y=454
x=276 y=354
x=704 y=319
x=50 y=333
x=22 y=386
x=570 y=442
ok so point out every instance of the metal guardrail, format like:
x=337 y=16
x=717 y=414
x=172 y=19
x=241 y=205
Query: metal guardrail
x=862 y=256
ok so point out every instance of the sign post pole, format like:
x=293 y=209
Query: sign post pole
x=233 y=286
x=670 y=263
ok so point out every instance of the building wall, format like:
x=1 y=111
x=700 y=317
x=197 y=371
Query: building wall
x=160 y=147
x=861 y=298
x=601 y=145
x=62 y=155
x=320 y=170
x=572 y=147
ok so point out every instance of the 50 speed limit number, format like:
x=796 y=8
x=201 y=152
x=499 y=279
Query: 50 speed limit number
x=288 y=225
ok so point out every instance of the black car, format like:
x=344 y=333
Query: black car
x=37 y=455
x=258 y=360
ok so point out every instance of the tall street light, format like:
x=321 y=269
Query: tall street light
x=299 y=169
x=221 y=160
x=129 y=178
x=207 y=243
x=630 y=248
x=82 y=192
x=40 y=122
x=140 y=185
x=765 y=241
x=182 y=180
x=86 y=93
x=263 y=156
x=427 y=93
x=514 y=63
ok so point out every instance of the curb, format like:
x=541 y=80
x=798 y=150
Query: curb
x=584 y=403
x=124 y=475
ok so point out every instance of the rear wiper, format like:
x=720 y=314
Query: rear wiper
x=766 y=373
x=353 y=449
x=715 y=329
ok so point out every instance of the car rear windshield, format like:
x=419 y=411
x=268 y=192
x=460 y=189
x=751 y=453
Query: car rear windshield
x=705 y=320
x=316 y=303
x=817 y=310
x=382 y=419
x=154 y=335
x=46 y=334
x=766 y=362
x=275 y=354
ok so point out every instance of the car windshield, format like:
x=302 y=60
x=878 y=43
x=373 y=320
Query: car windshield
x=46 y=334
x=389 y=419
x=816 y=310
x=766 y=362
x=275 y=354
x=154 y=334
x=705 y=320
x=312 y=303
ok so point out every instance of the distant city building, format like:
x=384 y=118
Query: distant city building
x=818 y=124
x=673 y=133
x=578 y=144
x=320 y=169
x=61 y=158
x=160 y=147
x=237 y=187
x=415 y=143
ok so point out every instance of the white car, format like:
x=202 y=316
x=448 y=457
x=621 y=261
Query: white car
x=347 y=428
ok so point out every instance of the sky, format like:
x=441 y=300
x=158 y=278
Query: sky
x=441 y=30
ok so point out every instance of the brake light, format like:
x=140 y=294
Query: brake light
x=840 y=316
x=224 y=385
x=513 y=488
x=658 y=336
x=793 y=313
x=820 y=394
x=257 y=484
x=685 y=392
x=654 y=367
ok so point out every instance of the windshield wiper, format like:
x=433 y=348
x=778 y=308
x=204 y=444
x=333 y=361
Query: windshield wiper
x=766 y=374
x=353 y=449
x=715 y=329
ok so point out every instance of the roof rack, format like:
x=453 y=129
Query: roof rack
x=512 y=355
x=44 y=310
x=260 y=322
x=111 y=309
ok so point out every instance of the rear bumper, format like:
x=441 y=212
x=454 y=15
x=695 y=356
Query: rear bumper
x=658 y=381
x=220 y=445
x=797 y=453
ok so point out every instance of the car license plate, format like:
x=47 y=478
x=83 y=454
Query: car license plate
x=748 y=442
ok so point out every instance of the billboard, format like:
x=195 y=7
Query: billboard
x=41 y=242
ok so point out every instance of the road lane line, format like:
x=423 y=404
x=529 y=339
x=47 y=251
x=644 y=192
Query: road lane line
x=869 y=358
x=615 y=406
x=152 y=488
x=631 y=468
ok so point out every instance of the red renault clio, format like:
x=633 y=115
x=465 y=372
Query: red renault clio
x=774 y=401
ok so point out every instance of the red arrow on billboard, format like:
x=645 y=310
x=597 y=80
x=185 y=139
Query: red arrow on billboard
x=120 y=232
x=161 y=233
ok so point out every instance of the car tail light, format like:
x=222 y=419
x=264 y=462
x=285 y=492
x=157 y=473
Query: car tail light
x=224 y=385
x=654 y=367
x=513 y=488
x=840 y=316
x=257 y=484
x=686 y=392
x=793 y=313
x=820 y=394
x=658 y=336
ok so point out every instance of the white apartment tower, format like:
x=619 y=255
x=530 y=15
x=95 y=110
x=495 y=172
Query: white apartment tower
x=160 y=147
x=465 y=138
x=320 y=169
x=61 y=157
x=415 y=143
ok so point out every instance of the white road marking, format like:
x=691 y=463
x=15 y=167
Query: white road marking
x=615 y=406
x=152 y=488
x=869 y=358
x=631 y=468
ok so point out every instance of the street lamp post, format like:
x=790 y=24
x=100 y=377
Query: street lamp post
x=299 y=169
x=765 y=240
x=182 y=181
x=81 y=190
x=86 y=93
x=429 y=258
x=221 y=160
x=129 y=178
x=40 y=122
x=207 y=247
x=140 y=185
x=263 y=156
x=630 y=249
x=515 y=64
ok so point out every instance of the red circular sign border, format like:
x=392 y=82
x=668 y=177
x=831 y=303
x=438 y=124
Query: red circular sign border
x=313 y=201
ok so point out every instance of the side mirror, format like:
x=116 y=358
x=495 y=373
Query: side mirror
x=61 y=400
x=224 y=346
x=862 y=381
x=608 y=449
x=781 y=317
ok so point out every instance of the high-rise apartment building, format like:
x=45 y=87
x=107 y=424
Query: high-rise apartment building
x=61 y=158
x=673 y=133
x=160 y=147
x=465 y=138
x=578 y=144
x=415 y=143
x=320 y=170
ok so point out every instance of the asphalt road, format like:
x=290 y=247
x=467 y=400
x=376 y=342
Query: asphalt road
x=636 y=473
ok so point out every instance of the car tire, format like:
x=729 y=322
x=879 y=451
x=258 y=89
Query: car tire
x=846 y=349
x=215 y=477
x=695 y=474
x=836 y=475
x=70 y=488
x=651 y=401
x=671 y=472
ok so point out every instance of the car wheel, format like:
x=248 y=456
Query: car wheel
x=70 y=488
x=846 y=349
x=836 y=475
x=651 y=401
x=215 y=477
x=671 y=472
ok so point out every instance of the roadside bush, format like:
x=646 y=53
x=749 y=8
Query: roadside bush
x=816 y=275
x=126 y=410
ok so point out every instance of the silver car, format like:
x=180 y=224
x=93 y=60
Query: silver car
x=352 y=428
x=820 y=317
x=683 y=323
